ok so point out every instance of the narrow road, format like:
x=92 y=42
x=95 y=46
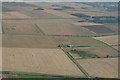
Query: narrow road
x=76 y=63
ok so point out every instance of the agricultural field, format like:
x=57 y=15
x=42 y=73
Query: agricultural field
x=101 y=67
x=99 y=29
x=63 y=40
x=13 y=40
x=93 y=52
x=92 y=13
x=19 y=27
x=14 y=15
x=51 y=61
x=28 y=41
x=110 y=40
x=64 y=29
x=59 y=40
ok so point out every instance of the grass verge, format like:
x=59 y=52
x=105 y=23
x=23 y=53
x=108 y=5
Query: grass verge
x=39 y=30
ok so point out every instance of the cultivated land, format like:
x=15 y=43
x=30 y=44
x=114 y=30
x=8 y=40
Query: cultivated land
x=101 y=67
x=100 y=51
x=19 y=27
x=110 y=40
x=14 y=15
x=44 y=61
x=59 y=40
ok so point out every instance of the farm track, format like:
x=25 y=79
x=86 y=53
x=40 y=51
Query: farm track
x=76 y=63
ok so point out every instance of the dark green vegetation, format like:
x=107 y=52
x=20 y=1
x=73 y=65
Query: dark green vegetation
x=39 y=9
x=84 y=7
x=58 y=9
x=55 y=5
x=80 y=15
x=97 y=19
x=84 y=54
x=104 y=19
x=65 y=8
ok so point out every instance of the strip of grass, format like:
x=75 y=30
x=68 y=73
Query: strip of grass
x=85 y=36
x=33 y=75
x=39 y=30
x=76 y=63
x=30 y=76
x=2 y=28
x=100 y=44
x=88 y=45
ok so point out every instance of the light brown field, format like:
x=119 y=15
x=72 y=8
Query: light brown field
x=19 y=27
x=102 y=51
x=104 y=68
x=29 y=11
x=14 y=15
x=116 y=47
x=44 y=61
x=59 y=20
x=74 y=40
x=58 y=13
x=64 y=29
x=28 y=41
x=24 y=50
x=110 y=40
x=36 y=41
x=86 y=24
x=43 y=4
x=49 y=5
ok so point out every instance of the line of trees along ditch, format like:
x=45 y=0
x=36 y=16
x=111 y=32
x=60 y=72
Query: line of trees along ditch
x=97 y=19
